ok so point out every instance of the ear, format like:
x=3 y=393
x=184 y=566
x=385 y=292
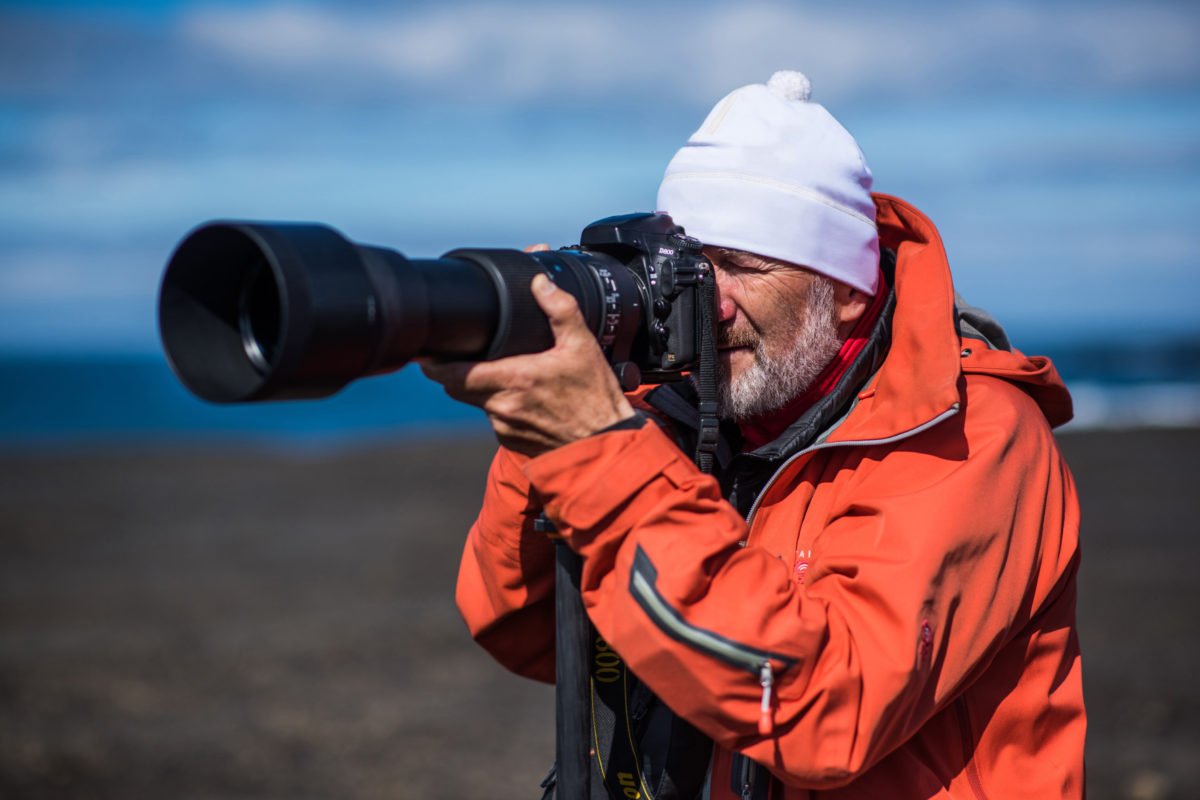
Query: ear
x=850 y=304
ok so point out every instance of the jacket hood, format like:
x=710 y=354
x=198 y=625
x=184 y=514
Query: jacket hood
x=936 y=339
x=926 y=340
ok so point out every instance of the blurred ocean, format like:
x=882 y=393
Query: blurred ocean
x=71 y=400
x=65 y=400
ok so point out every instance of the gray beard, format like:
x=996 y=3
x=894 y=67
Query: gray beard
x=773 y=381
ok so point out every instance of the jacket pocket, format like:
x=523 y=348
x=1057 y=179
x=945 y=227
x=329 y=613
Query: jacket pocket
x=643 y=580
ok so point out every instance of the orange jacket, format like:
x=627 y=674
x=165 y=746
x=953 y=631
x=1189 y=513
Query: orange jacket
x=910 y=579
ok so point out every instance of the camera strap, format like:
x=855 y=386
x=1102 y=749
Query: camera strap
x=639 y=746
x=706 y=377
x=642 y=749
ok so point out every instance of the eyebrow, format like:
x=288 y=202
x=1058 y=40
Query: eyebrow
x=740 y=257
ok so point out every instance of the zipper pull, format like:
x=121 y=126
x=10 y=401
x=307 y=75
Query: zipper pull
x=749 y=775
x=766 y=724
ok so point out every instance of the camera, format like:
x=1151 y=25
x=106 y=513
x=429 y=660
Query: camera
x=252 y=311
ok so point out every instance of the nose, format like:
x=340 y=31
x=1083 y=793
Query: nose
x=726 y=308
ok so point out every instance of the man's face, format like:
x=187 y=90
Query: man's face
x=777 y=330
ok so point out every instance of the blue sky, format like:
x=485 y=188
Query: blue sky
x=1056 y=144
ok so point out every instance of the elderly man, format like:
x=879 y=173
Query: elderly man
x=874 y=595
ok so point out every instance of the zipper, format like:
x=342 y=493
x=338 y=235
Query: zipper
x=766 y=723
x=744 y=774
x=764 y=665
x=642 y=586
x=749 y=773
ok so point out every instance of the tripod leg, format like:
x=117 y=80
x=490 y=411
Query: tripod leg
x=572 y=689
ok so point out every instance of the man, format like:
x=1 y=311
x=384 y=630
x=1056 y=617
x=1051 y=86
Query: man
x=875 y=595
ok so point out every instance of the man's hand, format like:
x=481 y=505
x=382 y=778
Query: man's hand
x=543 y=400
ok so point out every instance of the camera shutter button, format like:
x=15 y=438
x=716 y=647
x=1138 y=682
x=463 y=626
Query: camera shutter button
x=689 y=243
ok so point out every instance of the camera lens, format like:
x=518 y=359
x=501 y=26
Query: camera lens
x=253 y=311
x=259 y=319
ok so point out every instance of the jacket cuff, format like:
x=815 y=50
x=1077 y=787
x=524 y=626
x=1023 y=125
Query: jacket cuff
x=587 y=485
x=628 y=424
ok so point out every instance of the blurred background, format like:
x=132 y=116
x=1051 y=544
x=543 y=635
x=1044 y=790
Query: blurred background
x=256 y=601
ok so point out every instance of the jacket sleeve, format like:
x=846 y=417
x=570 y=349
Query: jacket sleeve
x=506 y=577
x=930 y=555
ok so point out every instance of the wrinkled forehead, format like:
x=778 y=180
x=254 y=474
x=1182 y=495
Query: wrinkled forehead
x=746 y=258
x=732 y=254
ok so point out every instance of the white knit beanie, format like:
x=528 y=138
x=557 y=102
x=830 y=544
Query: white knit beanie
x=772 y=173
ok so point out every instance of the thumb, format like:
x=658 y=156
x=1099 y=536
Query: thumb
x=566 y=321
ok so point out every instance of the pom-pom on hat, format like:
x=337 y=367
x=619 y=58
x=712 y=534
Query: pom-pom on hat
x=773 y=173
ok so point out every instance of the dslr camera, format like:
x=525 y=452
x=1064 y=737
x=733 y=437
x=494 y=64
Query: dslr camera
x=252 y=311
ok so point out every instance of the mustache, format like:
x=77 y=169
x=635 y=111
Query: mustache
x=731 y=337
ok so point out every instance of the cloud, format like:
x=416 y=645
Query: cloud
x=502 y=122
x=519 y=52
x=667 y=55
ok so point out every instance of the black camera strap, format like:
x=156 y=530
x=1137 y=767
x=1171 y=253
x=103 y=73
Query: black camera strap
x=624 y=742
x=706 y=378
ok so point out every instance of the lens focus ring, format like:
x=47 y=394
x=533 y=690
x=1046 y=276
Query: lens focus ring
x=522 y=326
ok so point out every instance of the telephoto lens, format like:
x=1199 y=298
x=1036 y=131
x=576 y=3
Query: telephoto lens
x=252 y=311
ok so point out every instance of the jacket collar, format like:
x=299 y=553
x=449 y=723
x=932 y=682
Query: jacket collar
x=918 y=379
x=909 y=375
x=677 y=401
x=826 y=412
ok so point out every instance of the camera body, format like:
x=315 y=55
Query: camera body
x=252 y=311
x=669 y=268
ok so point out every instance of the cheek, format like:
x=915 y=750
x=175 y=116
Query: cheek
x=783 y=326
x=775 y=320
x=773 y=298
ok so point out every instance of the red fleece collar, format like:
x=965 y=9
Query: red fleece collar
x=760 y=430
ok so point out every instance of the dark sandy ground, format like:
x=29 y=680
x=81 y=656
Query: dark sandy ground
x=211 y=623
